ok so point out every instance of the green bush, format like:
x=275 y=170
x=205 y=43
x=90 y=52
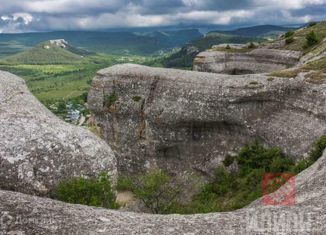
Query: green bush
x=256 y=156
x=157 y=191
x=223 y=181
x=136 y=98
x=124 y=184
x=318 y=148
x=226 y=190
x=110 y=100
x=289 y=40
x=311 y=39
x=228 y=47
x=289 y=34
x=228 y=161
x=91 y=192
x=252 y=45
x=301 y=166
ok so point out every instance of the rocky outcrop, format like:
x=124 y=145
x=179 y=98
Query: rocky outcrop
x=185 y=121
x=22 y=214
x=256 y=61
x=37 y=149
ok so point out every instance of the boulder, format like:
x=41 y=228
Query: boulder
x=256 y=61
x=24 y=214
x=38 y=150
x=184 y=121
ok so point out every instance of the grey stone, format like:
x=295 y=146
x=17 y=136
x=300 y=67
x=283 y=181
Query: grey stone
x=37 y=149
x=187 y=122
x=260 y=60
x=24 y=214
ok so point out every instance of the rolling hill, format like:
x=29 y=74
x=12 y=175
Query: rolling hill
x=261 y=31
x=114 y=43
x=185 y=57
x=50 y=52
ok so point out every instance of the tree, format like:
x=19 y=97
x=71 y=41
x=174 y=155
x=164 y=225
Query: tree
x=157 y=191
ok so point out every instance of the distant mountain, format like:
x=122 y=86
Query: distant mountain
x=185 y=57
x=139 y=43
x=57 y=51
x=261 y=31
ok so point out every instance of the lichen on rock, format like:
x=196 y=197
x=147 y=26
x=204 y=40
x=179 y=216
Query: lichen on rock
x=38 y=150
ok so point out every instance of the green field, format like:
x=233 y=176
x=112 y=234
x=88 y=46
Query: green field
x=56 y=83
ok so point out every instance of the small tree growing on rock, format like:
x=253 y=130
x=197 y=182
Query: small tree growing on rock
x=157 y=191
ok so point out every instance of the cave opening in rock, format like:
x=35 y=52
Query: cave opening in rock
x=237 y=71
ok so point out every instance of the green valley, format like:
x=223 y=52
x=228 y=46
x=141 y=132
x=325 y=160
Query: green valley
x=59 y=75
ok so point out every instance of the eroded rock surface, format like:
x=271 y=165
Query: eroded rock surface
x=185 y=121
x=37 y=149
x=33 y=215
x=261 y=60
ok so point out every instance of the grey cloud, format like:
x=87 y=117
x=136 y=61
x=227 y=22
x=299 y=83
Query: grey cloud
x=101 y=14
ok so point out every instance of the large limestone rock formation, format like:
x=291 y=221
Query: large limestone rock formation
x=256 y=61
x=37 y=149
x=22 y=214
x=185 y=121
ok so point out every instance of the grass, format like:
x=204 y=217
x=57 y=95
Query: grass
x=316 y=71
x=299 y=37
x=287 y=73
x=53 y=83
x=232 y=50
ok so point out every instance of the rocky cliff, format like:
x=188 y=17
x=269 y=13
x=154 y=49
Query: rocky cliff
x=37 y=149
x=23 y=214
x=256 y=61
x=185 y=121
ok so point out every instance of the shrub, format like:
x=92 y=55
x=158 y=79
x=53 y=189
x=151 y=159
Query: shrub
x=228 y=161
x=311 y=39
x=110 y=100
x=91 y=192
x=226 y=190
x=221 y=184
x=311 y=24
x=157 y=191
x=256 y=156
x=124 y=184
x=229 y=191
x=289 y=40
x=251 y=45
x=318 y=148
x=289 y=34
x=136 y=98
x=228 y=47
x=301 y=165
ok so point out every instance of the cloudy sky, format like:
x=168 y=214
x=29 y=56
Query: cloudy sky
x=46 y=15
